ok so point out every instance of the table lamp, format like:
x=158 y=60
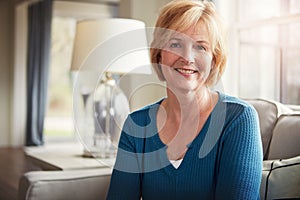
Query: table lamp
x=104 y=50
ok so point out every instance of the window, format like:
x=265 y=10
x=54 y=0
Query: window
x=59 y=120
x=268 y=49
x=58 y=124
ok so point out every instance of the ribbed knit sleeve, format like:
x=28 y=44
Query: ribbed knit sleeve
x=240 y=164
x=125 y=179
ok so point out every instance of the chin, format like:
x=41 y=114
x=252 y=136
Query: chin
x=183 y=88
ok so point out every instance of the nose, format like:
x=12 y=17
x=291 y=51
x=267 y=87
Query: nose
x=188 y=55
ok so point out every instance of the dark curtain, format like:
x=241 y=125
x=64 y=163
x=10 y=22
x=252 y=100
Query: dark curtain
x=39 y=41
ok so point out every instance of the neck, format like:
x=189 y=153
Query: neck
x=181 y=117
x=188 y=105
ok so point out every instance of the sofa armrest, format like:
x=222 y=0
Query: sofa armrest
x=281 y=179
x=88 y=184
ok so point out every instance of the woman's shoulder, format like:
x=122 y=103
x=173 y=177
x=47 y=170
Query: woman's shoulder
x=235 y=102
x=236 y=106
x=239 y=113
x=146 y=109
x=145 y=114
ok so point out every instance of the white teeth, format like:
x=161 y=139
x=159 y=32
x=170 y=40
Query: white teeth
x=186 y=71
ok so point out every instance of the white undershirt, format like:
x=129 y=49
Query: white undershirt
x=176 y=163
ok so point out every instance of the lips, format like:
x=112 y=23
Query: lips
x=185 y=71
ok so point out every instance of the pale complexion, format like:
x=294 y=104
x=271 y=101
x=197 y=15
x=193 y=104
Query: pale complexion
x=186 y=62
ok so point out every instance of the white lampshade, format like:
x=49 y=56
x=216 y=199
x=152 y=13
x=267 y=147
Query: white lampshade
x=111 y=45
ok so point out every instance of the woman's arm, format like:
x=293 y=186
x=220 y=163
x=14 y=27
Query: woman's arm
x=126 y=177
x=124 y=185
x=240 y=166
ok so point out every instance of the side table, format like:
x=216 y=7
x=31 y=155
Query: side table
x=65 y=156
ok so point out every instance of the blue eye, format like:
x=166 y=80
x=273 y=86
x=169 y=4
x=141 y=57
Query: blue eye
x=175 y=45
x=200 y=47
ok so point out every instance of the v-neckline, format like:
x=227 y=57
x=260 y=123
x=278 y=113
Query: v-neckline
x=198 y=139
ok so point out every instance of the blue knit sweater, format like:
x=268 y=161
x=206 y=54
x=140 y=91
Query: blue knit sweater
x=223 y=162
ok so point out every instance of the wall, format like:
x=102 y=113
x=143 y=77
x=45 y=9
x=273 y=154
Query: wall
x=6 y=52
x=142 y=89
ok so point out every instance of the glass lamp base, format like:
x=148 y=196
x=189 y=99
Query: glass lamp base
x=102 y=148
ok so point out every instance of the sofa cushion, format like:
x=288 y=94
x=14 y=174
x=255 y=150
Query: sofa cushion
x=88 y=184
x=268 y=112
x=285 y=141
x=281 y=179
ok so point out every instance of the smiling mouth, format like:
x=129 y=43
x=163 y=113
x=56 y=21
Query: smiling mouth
x=186 y=71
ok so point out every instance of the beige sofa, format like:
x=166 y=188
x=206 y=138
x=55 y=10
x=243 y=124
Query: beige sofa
x=280 y=130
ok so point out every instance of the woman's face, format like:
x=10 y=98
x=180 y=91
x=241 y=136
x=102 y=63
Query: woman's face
x=186 y=59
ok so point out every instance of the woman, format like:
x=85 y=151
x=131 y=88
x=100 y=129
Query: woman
x=196 y=143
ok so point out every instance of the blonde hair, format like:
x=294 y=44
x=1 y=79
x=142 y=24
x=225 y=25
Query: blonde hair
x=179 y=15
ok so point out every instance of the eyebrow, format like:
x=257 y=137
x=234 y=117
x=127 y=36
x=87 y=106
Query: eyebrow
x=178 y=39
x=203 y=42
x=198 y=41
